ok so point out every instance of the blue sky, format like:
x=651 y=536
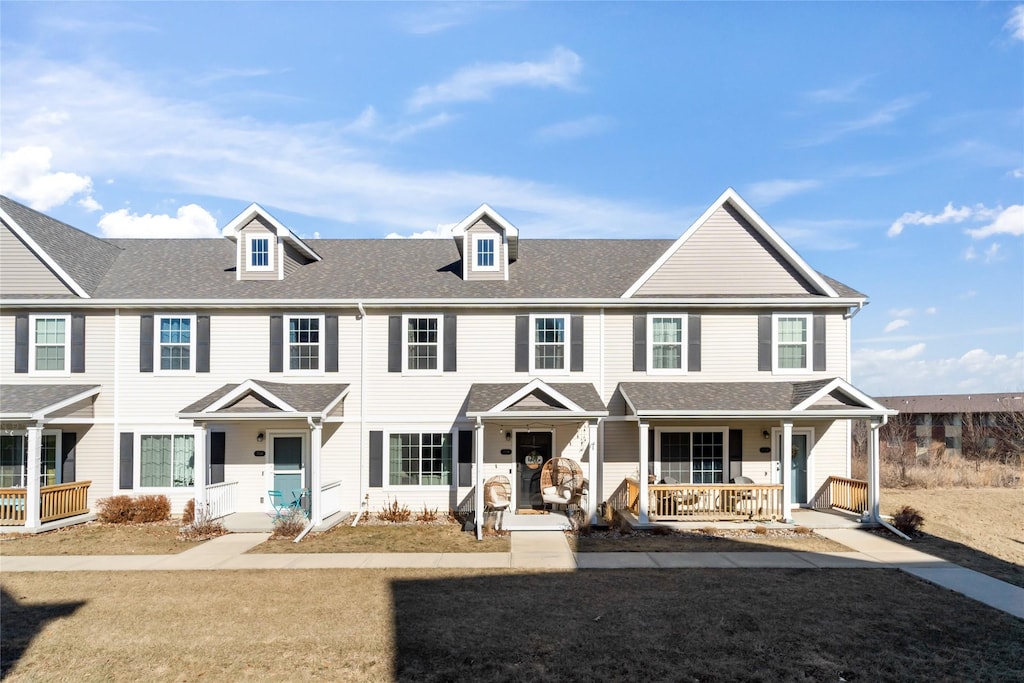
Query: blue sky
x=884 y=141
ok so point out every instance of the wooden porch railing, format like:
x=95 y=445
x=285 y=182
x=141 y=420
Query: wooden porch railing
x=691 y=502
x=842 y=493
x=55 y=502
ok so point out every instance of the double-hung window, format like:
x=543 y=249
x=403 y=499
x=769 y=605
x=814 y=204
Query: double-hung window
x=50 y=344
x=791 y=342
x=485 y=249
x=166 y=460
x=423 y=342
x=261 y=252
x=14 y=459
x=692 y=457
x=549 y=343
x=420 y=459
x=304 y=349
x=175 y=347
x=666 y=343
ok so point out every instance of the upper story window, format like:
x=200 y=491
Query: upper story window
x=486 y=253
x=791 y=342
x=666 y=343
x=175 y=347
x=304 y=348
x=423 y=342
x=51 y=340
x=549 y=343
x=261 y=252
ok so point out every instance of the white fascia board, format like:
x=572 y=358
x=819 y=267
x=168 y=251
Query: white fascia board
x=766 y=414
x=40 y=253
x=245 y=387
x=629 y=401
x=241 y=220
x=43 y=412
x=845 y=387
x=730 y=195
x=244 y=417
x=548 y=415
x=529 y=388
x=462 y=226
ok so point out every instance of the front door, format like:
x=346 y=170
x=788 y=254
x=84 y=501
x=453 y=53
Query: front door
x=799 y=465
x=533 y=449
x=287 y=472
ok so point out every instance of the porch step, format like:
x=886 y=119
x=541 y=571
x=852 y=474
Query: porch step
x=513 y=522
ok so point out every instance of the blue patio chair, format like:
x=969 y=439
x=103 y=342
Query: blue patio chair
x=298 y=495
x=281 y=508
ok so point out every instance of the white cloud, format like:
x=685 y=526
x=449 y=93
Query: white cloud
x=886 y=372
x=443 y=231
x=1009 y=221
x=191 y=220
x=771 y=191
x=90 y=204
x=1015 y=24
x=992 y=253
x=970 y=253
x=949 y=215
x=229 y=74
x=896 y=324
x=587 y=126
x=969 y=294
x=1017 y=173
x=931 y=310
x=880 y=117
x=840 y=93
x=901 y=312
x=478 y=82
x=25 y=174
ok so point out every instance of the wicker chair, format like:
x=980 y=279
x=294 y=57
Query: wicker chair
x=562 y=482
x=498 y=497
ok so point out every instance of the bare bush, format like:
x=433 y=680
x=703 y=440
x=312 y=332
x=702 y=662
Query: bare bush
x=393 y=512
x=427 y=515
x=129 y=510
x=908 y=520
x=288 y=526
x=200 y=527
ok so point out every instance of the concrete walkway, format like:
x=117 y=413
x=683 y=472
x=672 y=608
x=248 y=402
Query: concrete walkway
x=550 y=550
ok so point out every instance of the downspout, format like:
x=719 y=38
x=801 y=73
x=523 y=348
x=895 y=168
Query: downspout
x=364 y=495
x=873 y=515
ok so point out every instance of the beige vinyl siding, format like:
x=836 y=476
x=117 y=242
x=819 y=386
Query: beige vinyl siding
x=95 y=459
x=21 y=271
x=485 y=228
x=293 y=260
x=725 y=255
x=257 y=227
x=831 y=439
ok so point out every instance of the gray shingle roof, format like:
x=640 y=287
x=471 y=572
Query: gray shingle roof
x=484 y=397
x=84 y=257
x=25 y=399
x=703 y=396
x=305 y=398
x=955 y=403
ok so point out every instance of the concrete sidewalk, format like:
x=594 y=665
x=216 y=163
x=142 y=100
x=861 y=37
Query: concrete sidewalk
x=550 y=550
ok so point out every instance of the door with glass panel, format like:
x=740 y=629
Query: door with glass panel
x=287 y=472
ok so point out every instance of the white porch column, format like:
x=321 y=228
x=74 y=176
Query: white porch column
x=874 y=488
x=316 y=434
x=787 y=470
x=33 y=472
x=592 y=475
x=200 y=466
x=644 y=459
x=478 y=477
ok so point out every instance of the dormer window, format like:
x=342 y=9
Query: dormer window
x=261 y=252
x=485 y=250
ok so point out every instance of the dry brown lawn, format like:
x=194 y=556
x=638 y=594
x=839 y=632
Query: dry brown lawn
x=390 y=538
x=94 y=538
x=442 y=625
x=982 y=529
x=699 y=541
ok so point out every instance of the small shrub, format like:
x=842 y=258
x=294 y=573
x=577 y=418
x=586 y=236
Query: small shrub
x=188 y=515
x=151 y=509
x=761 y=530
x=908 y=520
x=427 y=515
x=709 y=531
x=128 y=510
x=115 y=510
x=803 y=530
x=288 y=526
x=200 y=529
x=393 y=512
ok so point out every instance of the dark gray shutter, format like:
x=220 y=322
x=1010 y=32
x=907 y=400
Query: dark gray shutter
x=735 y=445
x=276 y=343
x=819 y=342
x=465 y=457
x=522 y=343
x=331 y=343
x=376 y=459
x=202 y=343
x=68 y=440
x=394 y=343
x=77 y=342
x=145 y=343
x=21 y=343
x=576 y=343
x=217 y=452
x=693 y=345
x=640 y=343
x=450 y=342
x=764 y=342
x=127 y=460
x=650 y=451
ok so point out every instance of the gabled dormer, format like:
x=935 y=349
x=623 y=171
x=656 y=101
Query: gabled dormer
x=265 y=249
x=487 y=244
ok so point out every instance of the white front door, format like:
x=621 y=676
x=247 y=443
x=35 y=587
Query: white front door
x=286 y=470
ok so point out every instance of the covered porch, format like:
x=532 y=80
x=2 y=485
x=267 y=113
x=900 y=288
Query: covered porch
x=745 y=451
x=256 y=439
x=40 y=426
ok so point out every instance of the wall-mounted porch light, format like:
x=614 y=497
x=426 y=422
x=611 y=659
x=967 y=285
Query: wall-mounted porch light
x=259 y=438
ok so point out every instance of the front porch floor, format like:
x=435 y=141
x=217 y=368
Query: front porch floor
x=806 y=517
x=49 y=526
x=509 y=521
x=260 y=522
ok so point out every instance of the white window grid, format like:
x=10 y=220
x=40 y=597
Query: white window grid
x=792 y=346
x=549 y=343
x=50 y=344
x=423 y=343
x=304 y=347
x=175 y=345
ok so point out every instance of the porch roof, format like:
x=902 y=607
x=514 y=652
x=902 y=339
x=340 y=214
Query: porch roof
x=569 y=399
x=260 y=399
x=832 y=397
x=39 y=401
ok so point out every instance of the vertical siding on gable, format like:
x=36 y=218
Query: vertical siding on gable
x=725 y=255
x=21 y=271
x=257 y=226
x=484 y=227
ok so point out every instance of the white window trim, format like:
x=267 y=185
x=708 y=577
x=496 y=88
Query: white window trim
x=497 y=252
x=24 y=462
x=690 y=430
x=271 y=260
x=683 y=345
x=776 y=370
x=286 y=345
x=32 y=344
x=567 y=342
x=406 y=370
x=157 y=370
x=268 y=477
x=176 y=430
x=386 y=457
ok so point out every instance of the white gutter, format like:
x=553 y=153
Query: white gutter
x=873 y=514
x=364 y=496
x=849 y=315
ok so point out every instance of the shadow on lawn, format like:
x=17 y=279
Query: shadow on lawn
x=965 y=556
x=21 y=623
